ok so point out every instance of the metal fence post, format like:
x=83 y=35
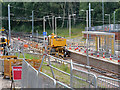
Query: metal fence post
x=51 y=67
x=37 y=85
x=28 y=75
x=71 y=74
x=41 y=62
x=95 y=81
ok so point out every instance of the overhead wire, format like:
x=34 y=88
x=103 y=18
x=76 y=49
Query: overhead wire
x=27 y=18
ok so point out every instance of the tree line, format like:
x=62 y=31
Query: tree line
x=21 y=13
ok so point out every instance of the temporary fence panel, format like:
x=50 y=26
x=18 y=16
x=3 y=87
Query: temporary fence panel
x=78 y=78
x=31 y=78
x=106 y=82
x=25 y=67
x=2 y=61
x=61 y=85
x=83 y=79
x=1 y=65
x=8 y=63
x=45 y=81
x=29 y=75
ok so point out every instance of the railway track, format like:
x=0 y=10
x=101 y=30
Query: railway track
x=95 y=69
x=98 y=70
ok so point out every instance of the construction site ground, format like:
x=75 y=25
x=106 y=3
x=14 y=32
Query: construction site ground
x=6 y=83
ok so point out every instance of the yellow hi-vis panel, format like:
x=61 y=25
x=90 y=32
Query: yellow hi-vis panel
x=58 y=42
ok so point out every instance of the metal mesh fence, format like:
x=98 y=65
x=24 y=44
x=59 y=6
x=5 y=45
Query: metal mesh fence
x=77 y=78
x=83 y=79
x=61 y=85
x=1 y=65
x=106 y=27
x=32 y=79
x=45 y=81
x=24 y=74
x=105 y=82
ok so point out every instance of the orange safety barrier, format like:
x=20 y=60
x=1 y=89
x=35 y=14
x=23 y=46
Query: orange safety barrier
x=8 y=63
x=25 y=45
x=3 y=57
x=36 y=45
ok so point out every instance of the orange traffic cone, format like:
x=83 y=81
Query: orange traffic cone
x=103 y=55
x=98 y=54
x=110 y=57
x=79 y=50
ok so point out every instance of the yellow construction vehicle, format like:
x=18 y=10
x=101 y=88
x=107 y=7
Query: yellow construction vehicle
x=56 y=46
x=3 y=40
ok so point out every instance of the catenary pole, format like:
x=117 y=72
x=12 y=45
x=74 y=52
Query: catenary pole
x=9 y=22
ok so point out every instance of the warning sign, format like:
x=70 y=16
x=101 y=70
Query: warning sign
x=17 y=72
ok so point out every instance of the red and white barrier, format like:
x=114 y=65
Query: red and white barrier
x=92 y=52
x=118 y=59
x=77 y=46
x=103 y=55
x=85 y=50
x=18 y=38
x=98 y=54
x=70 y=47
x=110 y=57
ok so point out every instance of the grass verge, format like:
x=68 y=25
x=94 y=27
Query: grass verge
x=58 y=75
